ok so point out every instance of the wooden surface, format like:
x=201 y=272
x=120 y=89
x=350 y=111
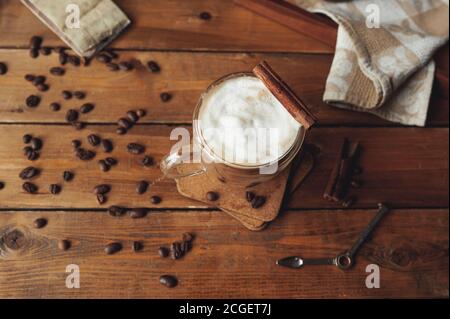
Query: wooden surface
x=403 y=166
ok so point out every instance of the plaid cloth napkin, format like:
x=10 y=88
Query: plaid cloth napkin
x=387 y=71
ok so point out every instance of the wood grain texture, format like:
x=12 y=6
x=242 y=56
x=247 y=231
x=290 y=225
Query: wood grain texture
x=227 y=261
x=405 y=167
x=185 y=75
x=172 y=25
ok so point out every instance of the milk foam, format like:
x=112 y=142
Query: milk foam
x=243 y=123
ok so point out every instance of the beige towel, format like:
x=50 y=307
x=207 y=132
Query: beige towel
x=100 y=22
x=387 y=71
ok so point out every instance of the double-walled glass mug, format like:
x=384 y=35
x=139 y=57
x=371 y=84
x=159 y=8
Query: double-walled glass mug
x=199 y=158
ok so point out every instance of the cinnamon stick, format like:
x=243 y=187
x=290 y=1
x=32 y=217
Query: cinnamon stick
x=293 y=104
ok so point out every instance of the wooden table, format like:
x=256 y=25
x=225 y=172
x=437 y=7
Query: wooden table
x=406 y=167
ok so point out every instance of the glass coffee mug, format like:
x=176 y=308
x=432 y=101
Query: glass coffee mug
x=179 y=164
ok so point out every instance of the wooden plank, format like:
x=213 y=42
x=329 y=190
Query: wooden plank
x=173 y=25
x=185 y=75
x=406 y=167
x=227 y=261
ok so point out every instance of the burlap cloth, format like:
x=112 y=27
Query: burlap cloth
x=387 y=71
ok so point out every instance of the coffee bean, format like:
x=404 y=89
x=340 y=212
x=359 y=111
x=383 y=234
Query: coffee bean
x=111 y=161
x=163 y=252
x=85 y=155
x=349 y=202
x=40 y=79
x=55 y=107
x=103 y=58
x=71 y=115
x=94 y=140
x=141 y=113
x=29 y=173
x=135 y=148
x=36 y=143
x=125 y=123
x=55 y=189
x=35 y=42
x=186 y=246
x=176 y=251
x=205 y=16
x=136 y=213
x=40 y=223
x=102 y=189
x=113 y=248
x=112 y=67
x=117 y=211
x=142 y=187
x=63 y=58
x=27 y=138
x=121 y=131
x=2 y=185
x=212 y=196
x=33 y=155
x=104 y=167
x=155 y=200
x=30 y=188
x=33 y=101
x=76 y=144
x=249 y=196
x=258 y=202
x=74 y=60
x=102 y=199
x=3 y=68
x=79 y=95
x=132 y=115
x=29 y=77
x=137 y=246
x=78 y=125
x=153 y=67
x=126 y=66
x=188 y=237
x=64 y=244
x=165 y=97
x=45 y=51
x=27 y=150
x=68 y=176
x=107 y=145
x=86 y=108
x=147 y=161
x=57 y=71
x=34 y=53
x=168 y=281
x=42 y=87
x=67 y=95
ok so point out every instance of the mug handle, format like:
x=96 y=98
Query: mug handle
x=173 y=160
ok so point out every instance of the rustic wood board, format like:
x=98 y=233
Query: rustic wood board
x=406 y=167
x=184 y=74
x=227 y=261
x=173 y=25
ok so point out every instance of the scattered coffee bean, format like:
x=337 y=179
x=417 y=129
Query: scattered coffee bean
x=111 y=161
x=36 y=143
x=42 y=87
x=34 y=53
x=249 y=196
x=147 y=161
x=112 y=67
x=2 y=185
x=113 y=248
x=165 y=97
x=141 y=113
x=71 y=115
x=64 y=244
x=121 y=131
x=176 y=250
x=68 y=176
x=117 y=211
x=40 y=223
x=135 y=148
x=27 y=138
x=27 y=150
x=30 y=188
x=67 y=95
x=102 y=189
x=103 y=58
x=35 y=42
x=76 y=144
x=85 y=155
x=258 y=201
x=86 y=108
x=102 y=199
x=79 y=95
x=212 y=196
x=125 y=123
x=45 y=51
x=63 y=58
x=142 y=187
x=107 y=145
x=155 y=200
x=137 y=246
x=78 y=125
x=104 y=167
x=356 y=184
x=57 y=71
x=94 y=140
x=55 y=107
x=40 y=79
x=33 y=155
x=132 y=115
x=29 y=77
x=153 y=67
x=349 y=202
x=74 y=60
x=3 y=68
x=205 y=16
x=33 y=101
x=55 y=189
x=163 y=252
x=29 y=173
x=136 y=213
x=126 y=66
x=168 y=281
